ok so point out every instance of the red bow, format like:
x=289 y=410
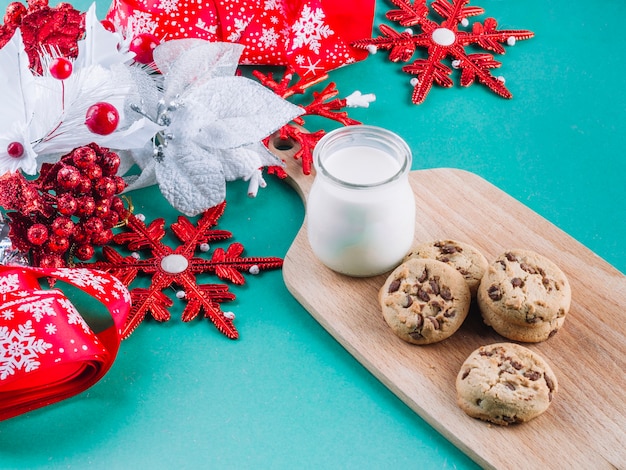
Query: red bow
x=312 y=36
x=48 y=352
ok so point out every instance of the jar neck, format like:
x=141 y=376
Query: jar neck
x=362 y=157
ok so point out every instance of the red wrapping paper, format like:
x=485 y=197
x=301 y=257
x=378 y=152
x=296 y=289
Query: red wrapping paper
x=47 y=350
x=312 y=36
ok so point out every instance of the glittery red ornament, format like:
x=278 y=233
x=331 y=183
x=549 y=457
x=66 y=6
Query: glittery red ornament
x=84 y=252
x=68 y=177
x=60 y=68
x=102 y=118
x=67 y=204
x=58 y=244
x=37 y=234
x=84 y=157
x=143 y=45
x=105 y=187
x=44 y=28
x=110 y=163
x=86 y=206
x=62 y=208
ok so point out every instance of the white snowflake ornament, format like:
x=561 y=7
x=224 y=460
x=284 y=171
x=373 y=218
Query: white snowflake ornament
x=213 y=124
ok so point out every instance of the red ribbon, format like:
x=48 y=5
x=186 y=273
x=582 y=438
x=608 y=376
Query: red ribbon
x=312 y=36
x=48 y=352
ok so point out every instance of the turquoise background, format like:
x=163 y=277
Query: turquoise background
x=286 y=394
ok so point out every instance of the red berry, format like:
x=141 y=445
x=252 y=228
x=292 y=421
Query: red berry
x=58 y=244
x=15 y=149
x=102 y=237
x=84 y=252
x=143 y=45
x=105 y=187
x=94 y=172
x=80 y=236
x=60 y=68
x=66 y=204
x=93 y=225
x=117 y=204
x=110 y=163
x=111 y=219
x=103 y=209
x=84 y=157
x=68 y=177
x=86 y=206
x=62 y=226
x=120 y=184
x=102 y=118
x=84 y=187
x=37 y=234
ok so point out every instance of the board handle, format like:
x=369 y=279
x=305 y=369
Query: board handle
x=285 y=150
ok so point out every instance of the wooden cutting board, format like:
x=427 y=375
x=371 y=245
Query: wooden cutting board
x=585 y=427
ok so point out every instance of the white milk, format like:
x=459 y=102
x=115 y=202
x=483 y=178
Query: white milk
x=361 y=209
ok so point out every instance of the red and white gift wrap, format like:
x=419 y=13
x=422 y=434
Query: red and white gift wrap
x=48 y=352
x=312 y=36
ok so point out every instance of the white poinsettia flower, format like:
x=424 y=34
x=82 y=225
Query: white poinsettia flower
x=213 y=121
x=46 y=115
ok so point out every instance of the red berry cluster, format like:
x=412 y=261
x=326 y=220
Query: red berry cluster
x=74 y=204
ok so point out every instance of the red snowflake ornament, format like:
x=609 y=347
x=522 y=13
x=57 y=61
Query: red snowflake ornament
x=444 y=40
x=178 y=267
x=324 y=104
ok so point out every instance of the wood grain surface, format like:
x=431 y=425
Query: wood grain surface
x=585 y=427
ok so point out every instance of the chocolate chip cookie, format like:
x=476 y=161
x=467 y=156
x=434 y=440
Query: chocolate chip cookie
x=524 y=296
x=466 y=259
x=505 y=383
x=424 y=300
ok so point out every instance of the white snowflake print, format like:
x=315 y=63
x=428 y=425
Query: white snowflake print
x=141 y=22
x=9 y=283
x=269 y=38
x=51 y=329
x=272 y=5
x=73 y=316
x=168 y=6
x=201 y=24
x=83 y=277
x=7 y=314
x=120 y=290
x=39 y=308
x=240 y=25
x=310 y=29
x=20 y=349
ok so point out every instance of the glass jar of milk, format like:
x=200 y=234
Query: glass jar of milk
x=361 y=208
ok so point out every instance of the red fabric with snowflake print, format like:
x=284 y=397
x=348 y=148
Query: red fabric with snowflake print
x=312 y=36
x=48 y=352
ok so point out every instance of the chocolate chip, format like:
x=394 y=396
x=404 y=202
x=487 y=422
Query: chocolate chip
x=434 y=285
x=408 y=301
x=435 y=322
x=516 y=365
x=445 y=293
x=394 y=286
x=517 y=282
x=449 y=248
x=423 y=276
x=494 y=292
x=510 y=256
x=509 y=385
x=549 y=382
x=465 y=374
x=528 y=268
x=532 y=375
x=423 y=295
x=449 y=314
